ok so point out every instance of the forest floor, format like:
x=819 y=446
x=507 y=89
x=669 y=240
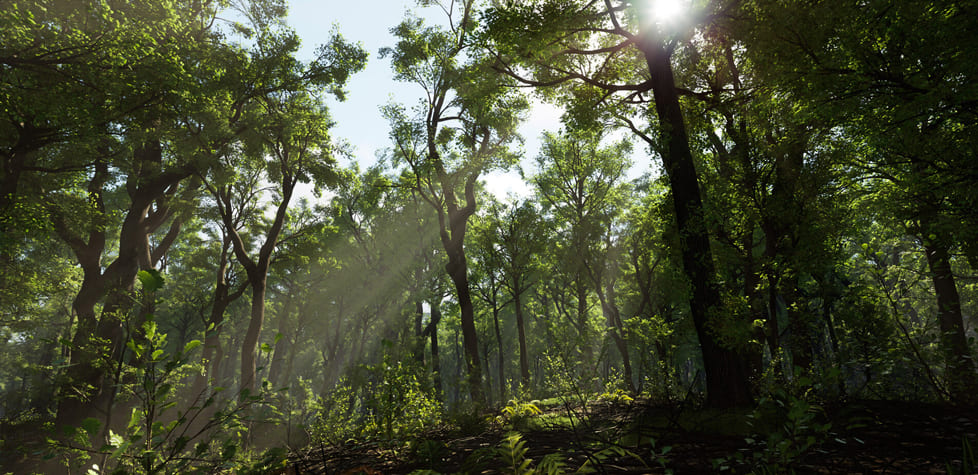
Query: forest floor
x=856 y=437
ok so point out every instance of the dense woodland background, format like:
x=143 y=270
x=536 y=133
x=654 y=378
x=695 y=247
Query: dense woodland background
x=173 y=297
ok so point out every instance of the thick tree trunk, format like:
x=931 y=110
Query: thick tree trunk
x=458 y=271
x=961 y=376
x=727 y=374
x=249 y=347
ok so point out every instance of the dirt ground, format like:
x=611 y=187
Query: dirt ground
x=852 y=438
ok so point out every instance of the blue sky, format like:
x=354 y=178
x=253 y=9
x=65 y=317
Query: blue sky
x=358 y=119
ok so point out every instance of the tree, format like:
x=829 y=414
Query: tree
x=895 y=78
x=461 y=128
x=580 y=182
x=291 y=146
x=516 y=230
x=614 y=52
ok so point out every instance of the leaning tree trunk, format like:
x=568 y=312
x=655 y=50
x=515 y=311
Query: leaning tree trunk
x=727 y=374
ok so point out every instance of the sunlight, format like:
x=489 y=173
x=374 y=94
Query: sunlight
x=668 y=12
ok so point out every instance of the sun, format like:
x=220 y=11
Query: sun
x=667 y=12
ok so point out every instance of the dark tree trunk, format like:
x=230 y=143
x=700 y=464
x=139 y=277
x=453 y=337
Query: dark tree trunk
x=727 y=373
x=962 y=378
x=418 y=331
x=435 y=358
x=458 y=271
x=249 y=346
x=101 y=339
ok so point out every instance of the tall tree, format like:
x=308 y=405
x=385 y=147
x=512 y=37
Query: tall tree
x=617 y=53
x=461 y=129
x=895 y=78
x=581 y=183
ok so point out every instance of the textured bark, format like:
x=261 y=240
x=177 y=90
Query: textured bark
x=99 y=340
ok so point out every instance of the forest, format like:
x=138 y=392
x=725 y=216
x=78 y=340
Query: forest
x=198 y=275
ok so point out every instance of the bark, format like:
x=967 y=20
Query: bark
x=435 y=358
x=583 y=336
x=256 y=269
x=90 y=393
x=213 y=352
x=249 y=346
x=418 y=332
x=961 y=376
x=727 y=374
x=615 y=326
x=458 y=271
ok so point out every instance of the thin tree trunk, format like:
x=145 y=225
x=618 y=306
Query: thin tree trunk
x=435 y=358
x=499 y=343
x=521 y=331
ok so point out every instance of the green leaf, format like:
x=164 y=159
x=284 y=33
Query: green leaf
x=91 y=425
x=151 y=279
x=190 y=346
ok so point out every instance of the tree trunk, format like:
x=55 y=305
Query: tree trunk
x=283 y=347
x=727 y=378
x=499 y=344
x=961 y=376
x=521 y=331
x=458 y=271
x=249 y=347
x=617 y=329
x=435 y=359
x=583 y=336
x=418 y=331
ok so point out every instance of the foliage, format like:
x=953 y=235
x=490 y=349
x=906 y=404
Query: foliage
x=516 y=414
x=384 y=401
